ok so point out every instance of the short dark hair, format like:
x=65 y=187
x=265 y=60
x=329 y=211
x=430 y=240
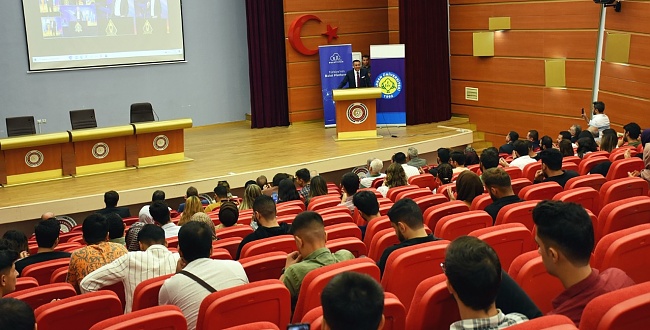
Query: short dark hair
x=586 y=145
x=356 y=61
x=17 y=239
x=366 y=202
x=16 y=314
x=365 y=56
x=279 y=177
x=191 y=191
x=546 y=142
x=158 y=195
x=115 y=226
x=459 y=157
x=521 y=147
x=195 y=240
x=220 y=191
x=46 y=232
x=309 y=220
x=566 y=135
x=552 y=158
x=111 y=198
x=248 y=183
x=496 y=177
x=303 y=174
x=443 y=154
x=7 y=259
x=599 y=106
x=407 y=211
x=350 y=182
x=534 y=134
x=399 y=157
x=352 y=301
x=228 y=214
x=514 y=136
x=95 y=228
x=159 y=212
x=474 y=272
x=489 y=159
x=633 y=130
x=265 y=206
x=151 y=234
x=568 y=226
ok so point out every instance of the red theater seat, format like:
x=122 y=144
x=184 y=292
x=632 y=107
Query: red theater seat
x=59 y=275
x=255 y=326
x=548 y=322
x=425 y=180
x=352 y=244
x=264 y=266
x=627 y=249
x=625 y=308
x=540 y=191
x=433 y=214
x=514 y=172
x=392 y=192
x=42 y=271
x=341 y=230
x=585 y=196
x=455 y=225
x=623 y=214
x=230 y=244
x=41 y=295
x=594 y=181
x=589 y=162
x=414 y=193
x=322 y=202
x=234 y=231
x=78 y=312
x=508 y=240
x=23 y=283
x=521 y=212
x=331 y=219
x=622 y=167
x=570 y=166
x=529 y=272
x=145 y=294
x=167 y=317
x=618 y=189
x=573 y=159
x=427 y=201
x=285 y=243
x=481 y=202
x=518 y=184
x=596 y=154
x=374 y=226
x=432 y=306
x=530 y=169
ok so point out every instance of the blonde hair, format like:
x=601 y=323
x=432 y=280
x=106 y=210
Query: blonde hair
x=251 y=192
x=192 y=205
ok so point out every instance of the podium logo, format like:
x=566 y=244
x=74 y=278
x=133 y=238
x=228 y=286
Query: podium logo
x=34 y=158
x=335 y=59
x=100 y=150
x=357 y=113
x=390 y=84
x=161 y=142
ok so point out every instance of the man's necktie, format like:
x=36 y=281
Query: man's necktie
x=358 y=79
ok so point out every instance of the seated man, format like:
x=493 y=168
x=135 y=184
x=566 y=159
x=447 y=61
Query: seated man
x=196 y=274
x=99 y=251
x=267 y=224
x=546 y=142
x=631 y=136
x=47 y=238
x=16 y=315
x=352 y=301
x=474 y=277
x=413 y=159
x=406 y=219
x=220 y=196
x=441 y=158
x=151 y=261
x=376 y=165
x=115 y=229
x=303 y=178
x=508 y=148
x=552 y=168
x=533 y=137
x=309 y=232
x=161 y=217
x=489 y=159
x=368 y=206
x=349 y=187
x=144 y=215
x=565 y=236
x=110 y=199
x=524 y=155
x=497 y=182
x=272 y=190
x=457 y=161
x=400 y=158
x=8 y=273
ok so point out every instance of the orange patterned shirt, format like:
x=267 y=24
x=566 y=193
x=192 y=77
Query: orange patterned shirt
x=89 y=258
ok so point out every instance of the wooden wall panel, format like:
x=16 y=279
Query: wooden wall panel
x=626 y=80
x=622 y=109
x=393 y=19
x=301 y=74
x=360 y=43
x=639 y=50
x=305 y=98
x=632 y=18
x=351 y=21
x=312 y=6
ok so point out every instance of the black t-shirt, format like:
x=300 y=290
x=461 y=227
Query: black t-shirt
x=123 y=212
x=562 y=179
x=507 y=148
x=263 y=232
x=511 y=298
x=39 y=257
x=409 y=242
x=494 y=208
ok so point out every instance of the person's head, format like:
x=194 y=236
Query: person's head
x=551 y=160
x=565 y=235
x=376 y=165
x=367 y=204
x=473 y=272
x=192 y=205
x=566 y=148
x=16 y=314
x=115 y=226
x=261 y=181
x=17 y=239
x=317 y=186
x=608 y=142
x=586 y=145
x=585 y=134
x=564 y=135
x=546 y=142
x=191 y=191
x=250 y=193
x=225 y=184
x=395 y=176
x=471 y=157
x=150 y=235
x=512 y=136
x=405 y=218
x=287 y=191
x=365 y=60
x=468 y=186
x=264 y=209
x=228 y=214
x=412 y=153
x=632 y=131
x=443 y=155
x=352 y=300
x=159 y=212
x=599 y=107
x=158 y=195
x=457 y=158
x=249 y=182
x=445 y=173
x=202 y=217
x=497 y=182
x=47 y=215
x=111 y=198
x=220 y=192
x=521 y=147
x=489 y=159
x=8 y=273
x=575 y=130
x=47 y=233
x=350 y=183
x=302 y=177
x=95 y=229
x=356 y=64
x=309 y=232
x=399 y=158
x=532 y=135
x=195 y=241
x=278 y=177
x=131 y=237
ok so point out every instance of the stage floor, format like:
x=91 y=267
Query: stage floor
x=231 y=151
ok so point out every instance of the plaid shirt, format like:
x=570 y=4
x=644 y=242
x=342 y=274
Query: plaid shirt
x=498 y=321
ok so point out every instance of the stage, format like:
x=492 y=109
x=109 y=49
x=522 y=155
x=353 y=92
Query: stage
x=233 y=152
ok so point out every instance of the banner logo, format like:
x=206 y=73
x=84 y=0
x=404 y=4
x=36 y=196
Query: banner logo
x=160 y=142
x=390 y=84
x=34 y=158
x=100 y=150
x=335 y=58
x=357 y=113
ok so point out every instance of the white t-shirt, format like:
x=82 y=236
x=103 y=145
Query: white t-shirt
x=522 y=161
x=600 y=121
x=410 y=170
x=171 y=229
x=368 y=180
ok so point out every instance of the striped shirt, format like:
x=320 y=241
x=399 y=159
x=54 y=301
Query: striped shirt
x=498 y=321
x=131 y=269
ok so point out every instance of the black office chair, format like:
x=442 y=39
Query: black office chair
x=17 y=126
x=83 y=119
x=141 y=112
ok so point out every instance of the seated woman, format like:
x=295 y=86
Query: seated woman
x=317 y=187
x=645 y=173
x=468 y=186
x=395 y=177
x=566 y=148
x=202 y=217
x=287 y=191
x=192 y=205
x=609 y=141
x=228 y=215
x=251 y=192
x=586 y=145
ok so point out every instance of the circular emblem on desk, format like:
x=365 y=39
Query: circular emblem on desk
x=357 y=113
x=100 y=150
x=160 y=142
x=390 y=84
x=34 y=158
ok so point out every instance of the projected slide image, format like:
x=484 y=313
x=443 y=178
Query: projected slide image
x=51 y=26
x=79 y=20
x=49 y=6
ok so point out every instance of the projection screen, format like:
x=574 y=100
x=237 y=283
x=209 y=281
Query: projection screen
x=65 y=34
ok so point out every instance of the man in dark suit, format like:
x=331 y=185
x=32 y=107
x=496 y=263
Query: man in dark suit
x=110 y=199
x=356 y=77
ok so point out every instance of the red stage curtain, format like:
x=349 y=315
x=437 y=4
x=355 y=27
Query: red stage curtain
x=424 y=30
x=267 y=63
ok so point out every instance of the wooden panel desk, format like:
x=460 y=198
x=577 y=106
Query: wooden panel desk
x=161 y=142
x=100 y=150
x=33 y=158
x=356 y=113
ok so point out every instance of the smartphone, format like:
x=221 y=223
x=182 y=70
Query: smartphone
x=583 y=111
x=298 y=326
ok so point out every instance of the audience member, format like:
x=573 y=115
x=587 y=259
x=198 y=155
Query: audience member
x=497 y=182
x=131 y=269
x=110 y=199
x=203 y=217
x=524 y=155
x=250 y=182
x=376 y=165
x=273 y=190
x=160 y=214
x=586 y=145
x=8 y=273
x=16 y=315
x=220 y=196
x=445 y=174
x=349 y=187
x=533 y=137
x=468 y=187
x=47 y=215
x=116 y=229
x=144 y=214
x=192 y=205
x=564 y=135
x=368 y=206
x=318 y=187
x=309 y=232
x=546 y=142
x=631 y=135
x=352 y=301
x=264 y=215
x=400 y=158
x=406 y=219
x=565 y=237
x=191 y=191
x=395 y=177
x=575 y=131
x=413 y=159
x=489 y=159
x=566 y=149
x=250 y=193
x=599 y=120
x=262 y=182
x=508 y=148
x=474 y=277
x=471 y=157
x=442 y=157
x=228 y=215
x=47 y=238
x=17 y=241
x=457 y=161
x=303 y=178
x=645 y=173
x=196 y=274
x=287 y=191
x=552 y=168
x=608 y=141
x=131 y=237
x=97 y=253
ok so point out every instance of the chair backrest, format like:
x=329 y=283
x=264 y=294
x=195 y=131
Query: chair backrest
x=23 y=283
x=521 y=212
x=623 y=214
x=285 y=243
x=42 y=271
x=166 y=317
x=573 y=159
x=172 y=242
x=621 y=167
x=298 y=203
x=145 y=294
x=341 y=230
x=588 y=163
x=220 y=254
x=425 y=202
x=433 y=214
x=530 y=169
x=384 y=208
x=78 y=312
x=264 y=266
x=570 y=166
x=141 y=112
x=414 y=193
x=17 y=126
x=352 y=244
x=333 y=209
x=548 y=322
x=289 y=209
x=425 y=180
x=627 y=250
x=59 y=275
x=529 y=272
x=508 y=240
x=619 y=153
x=255 y=326
x=585 y=196
x=234 y=231
x=541 y=191
x=231 y=244
x=518 y=184
x=596 y=154
x=625 y=308
x=41 y=295
x=330 y=219
x=83 y=119
x=481 y=202
x=618 y=189
x=392 y=192
x=378 y=182
x=408 y=266
x=444 y=189
x=322 y=202
x=451 y=226
x=314 y=282
x=594 y=181
x=380 y=241
x=432 y=306
x=374 y=226
x=514 y=172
